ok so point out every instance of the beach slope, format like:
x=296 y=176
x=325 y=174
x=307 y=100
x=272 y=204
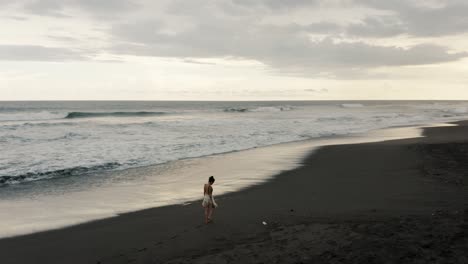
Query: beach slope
x=400 y=201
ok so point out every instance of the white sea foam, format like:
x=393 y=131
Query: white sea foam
x=75 y=159
x=458 y=110
x=137 y=135
x=259 y=109
x=272 y=109
x=65 y=201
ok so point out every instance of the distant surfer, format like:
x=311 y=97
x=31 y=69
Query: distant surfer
x=208 y=201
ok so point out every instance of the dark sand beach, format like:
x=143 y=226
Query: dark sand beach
x=400 y=201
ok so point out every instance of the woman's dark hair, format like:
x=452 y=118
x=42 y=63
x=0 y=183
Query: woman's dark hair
x=211 y=179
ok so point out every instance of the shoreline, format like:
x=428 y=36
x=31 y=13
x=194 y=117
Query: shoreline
x=294 y=202
x=70 y=201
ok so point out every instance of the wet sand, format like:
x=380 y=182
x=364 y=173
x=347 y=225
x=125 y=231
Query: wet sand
x=399 y=201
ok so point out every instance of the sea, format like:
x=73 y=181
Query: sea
x=67 y=162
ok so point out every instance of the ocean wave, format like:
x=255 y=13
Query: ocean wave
x=19 y=124
x=259 y=109
x=351 y=105
x=272 y=109
x=13 y=138
x=29 y=116
x=337 y=118
x=68 y=172
x=111 y=114
x=458 y=110
x=236 y=109
x=70 y=135
x=48 y=124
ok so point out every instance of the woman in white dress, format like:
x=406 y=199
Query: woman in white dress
x=208 y=201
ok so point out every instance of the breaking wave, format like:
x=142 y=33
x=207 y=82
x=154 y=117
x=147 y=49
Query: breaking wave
x=110 y=114
x=351 y=105
x=68 y=172
x=259 y=109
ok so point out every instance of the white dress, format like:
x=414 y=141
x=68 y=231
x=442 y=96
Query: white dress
x=207 y=201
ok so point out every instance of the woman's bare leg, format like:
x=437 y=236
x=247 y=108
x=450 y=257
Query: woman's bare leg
x=207 y=209
x=210 y=213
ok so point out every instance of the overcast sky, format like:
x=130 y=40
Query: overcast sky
x=233 y=49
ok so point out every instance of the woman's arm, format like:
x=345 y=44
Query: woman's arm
x=210 y=192
x=213 y=203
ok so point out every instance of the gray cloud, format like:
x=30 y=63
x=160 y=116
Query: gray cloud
x=277 y=4
x=38 y=53
x=377 y=27
x=45 y=7
x=107 y=6
x=57 y=8
x=287 y=48
x=323 y=28
x=235 y=29
x=419 y=18
x=412 y=18
x=363 y=55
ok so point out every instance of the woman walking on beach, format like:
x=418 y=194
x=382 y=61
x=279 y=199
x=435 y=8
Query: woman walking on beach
x=208 y=200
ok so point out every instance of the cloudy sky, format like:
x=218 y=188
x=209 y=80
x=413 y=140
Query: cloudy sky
x=233 y=49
